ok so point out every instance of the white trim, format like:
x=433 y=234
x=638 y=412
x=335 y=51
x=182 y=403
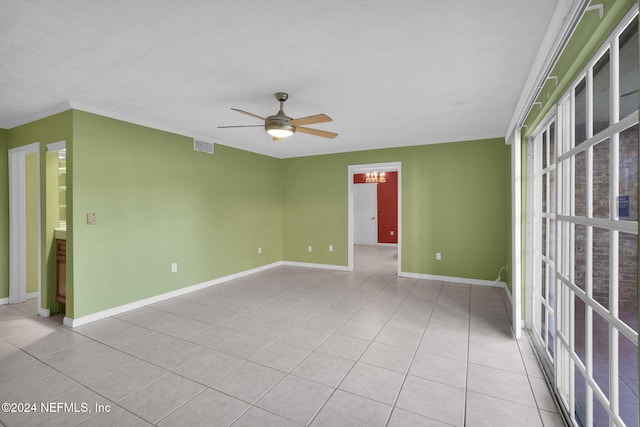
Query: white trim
x=465 y=280
x=354 y=169
x=312 y=265
x=4 y=301
x=44 y=312
x=598 y=7
x=47 y=112
x=565 y=18
x=510 y=298
x=72 y=105
x=629 y=227
x=129 y=119
x=516 y=238
x=528 y=265
x=56 y=146
x=83 y=320
x=17 y=224
x=31 y=295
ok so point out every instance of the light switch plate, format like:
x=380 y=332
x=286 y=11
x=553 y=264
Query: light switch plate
x=91 y=219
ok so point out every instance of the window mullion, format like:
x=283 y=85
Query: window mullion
x=614 y=179
x=589 y=252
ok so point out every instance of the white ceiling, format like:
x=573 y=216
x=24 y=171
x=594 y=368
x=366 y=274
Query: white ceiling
x=389 y=73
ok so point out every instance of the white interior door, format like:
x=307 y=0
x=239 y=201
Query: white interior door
x=365 y=215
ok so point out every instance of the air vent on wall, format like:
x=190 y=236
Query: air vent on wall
x=203 y=146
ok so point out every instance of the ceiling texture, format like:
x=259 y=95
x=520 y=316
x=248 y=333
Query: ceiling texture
x=389 y=73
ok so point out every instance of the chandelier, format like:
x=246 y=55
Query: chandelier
x=375 y=177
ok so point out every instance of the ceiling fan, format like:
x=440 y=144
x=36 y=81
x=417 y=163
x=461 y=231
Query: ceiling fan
x=281 y=126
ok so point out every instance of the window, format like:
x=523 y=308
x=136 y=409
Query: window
x=583 y=283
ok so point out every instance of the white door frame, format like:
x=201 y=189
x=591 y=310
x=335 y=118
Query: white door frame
x=380 y=167
x=18 y=227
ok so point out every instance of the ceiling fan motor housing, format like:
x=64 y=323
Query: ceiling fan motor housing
x=278 y=122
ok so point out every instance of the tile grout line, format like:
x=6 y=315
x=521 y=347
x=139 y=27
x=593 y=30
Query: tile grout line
x=413 y=356
x=466 y=378
x=289 y=372
x=82 y=385
x=365 y=350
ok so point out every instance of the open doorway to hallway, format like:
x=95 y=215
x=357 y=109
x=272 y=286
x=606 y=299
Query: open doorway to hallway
x=364 y=218
x=369 y=257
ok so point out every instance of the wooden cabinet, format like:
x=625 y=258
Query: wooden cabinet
x=61 y=271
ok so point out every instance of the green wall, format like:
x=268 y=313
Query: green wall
x=4 y=215
x=455 y=200
x=157 y=201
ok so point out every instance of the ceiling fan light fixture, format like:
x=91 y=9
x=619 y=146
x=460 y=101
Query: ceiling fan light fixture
x=280 y=131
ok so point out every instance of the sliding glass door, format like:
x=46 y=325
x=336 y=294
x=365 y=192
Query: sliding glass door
x=584 y=238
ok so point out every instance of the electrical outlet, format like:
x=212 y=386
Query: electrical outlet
x=393 y=232
x=438 y=256
x=91 y=219
x=330 y=248
x=174 y=267
x=259 y=250
x=309 y=249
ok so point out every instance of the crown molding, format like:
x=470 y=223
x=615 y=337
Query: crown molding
x=565 y=18
x=28 y=118
x=73 y=105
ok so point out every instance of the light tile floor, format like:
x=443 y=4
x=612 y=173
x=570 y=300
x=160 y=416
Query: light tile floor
x=285 y=347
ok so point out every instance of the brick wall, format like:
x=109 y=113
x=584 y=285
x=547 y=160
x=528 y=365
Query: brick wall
x=628 y=247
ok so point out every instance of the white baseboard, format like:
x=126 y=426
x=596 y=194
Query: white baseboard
x=28 y=296
x=311 y=265
x=508 y=292
x=44 y=312
x=451 y=279
x=83 y=320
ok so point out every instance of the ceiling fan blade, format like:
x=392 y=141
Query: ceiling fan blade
x=242 y=126
x=318 y=118
x=316 y=132
x=248 y=113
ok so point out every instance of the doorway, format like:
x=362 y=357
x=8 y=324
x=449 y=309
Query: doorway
x=370 y=225
x=24 y=225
